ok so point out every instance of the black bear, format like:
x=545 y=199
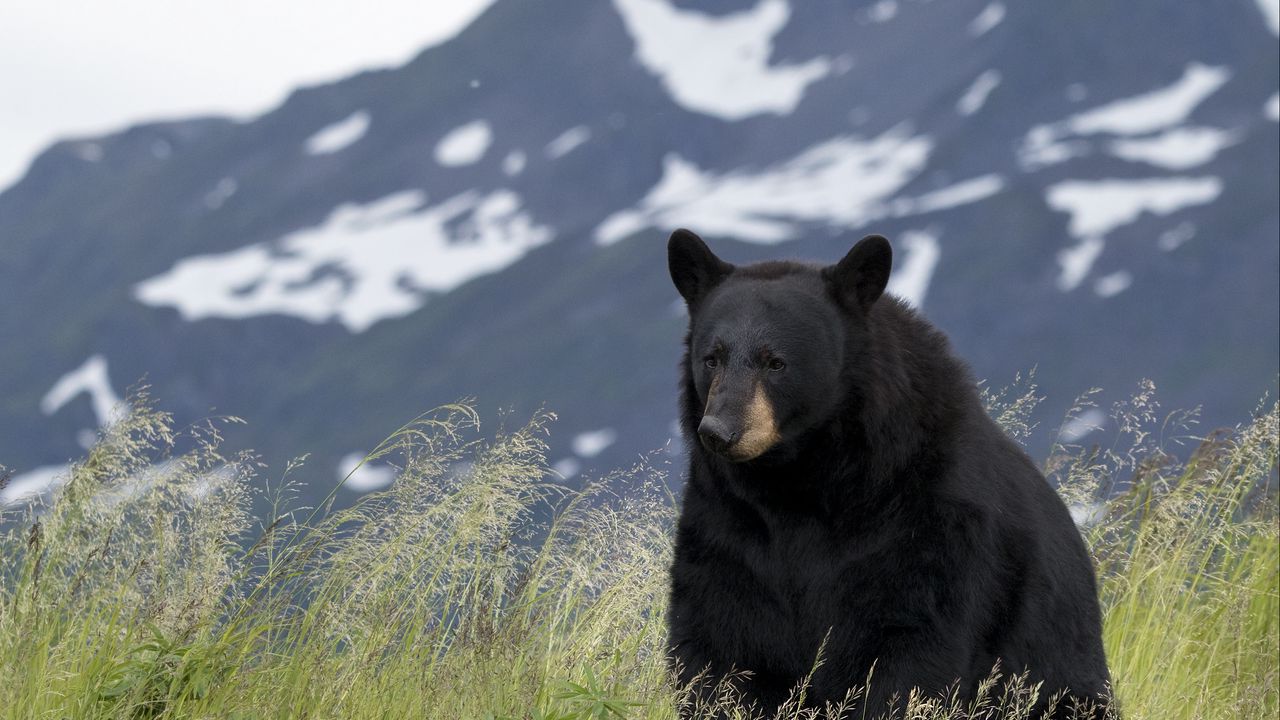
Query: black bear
x=847 y=490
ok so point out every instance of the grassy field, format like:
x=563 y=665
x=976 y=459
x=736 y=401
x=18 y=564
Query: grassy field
x=478 y=586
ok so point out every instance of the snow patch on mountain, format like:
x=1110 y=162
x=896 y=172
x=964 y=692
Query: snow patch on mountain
x=137 y=483
x=1175 y=149
x=33 y=483
x=1271 y=14
x=339 y=135
x=976 y=96
x=567 y=468
x=513 y=164
x=220 y=193
x=364 y=477
x=1174 y=238
x=1076 y=262
x=1087 y=514
x=592 y=443
x=1113 y=284
x=90 y=378
x=364 y=264
x=1079 y=426
x=882 y=11
x=990 y=17
x=568 y=141
x=1145 y=113
x=911 y=276
x=842 y=182
x=1097 y=207
x=219 y=478
x=464 y=145
x=719 y=65
x=1153 y=110
x=961 y=193
x=1034 y=154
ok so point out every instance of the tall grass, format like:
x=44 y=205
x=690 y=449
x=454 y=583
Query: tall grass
x=479 y=586
x=1188 y=560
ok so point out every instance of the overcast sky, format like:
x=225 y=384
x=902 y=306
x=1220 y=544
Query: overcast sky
x=84 y=67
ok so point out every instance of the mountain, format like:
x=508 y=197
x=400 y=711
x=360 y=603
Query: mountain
x=1088 y=189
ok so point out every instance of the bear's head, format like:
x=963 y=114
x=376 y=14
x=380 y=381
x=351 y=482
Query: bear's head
x=768 y=344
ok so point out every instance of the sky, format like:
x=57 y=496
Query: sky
x=72 y=68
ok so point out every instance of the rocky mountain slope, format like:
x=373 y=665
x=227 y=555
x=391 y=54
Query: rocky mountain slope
x=1088 y=189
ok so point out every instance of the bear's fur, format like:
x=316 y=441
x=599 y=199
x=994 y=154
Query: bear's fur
x=847 y=490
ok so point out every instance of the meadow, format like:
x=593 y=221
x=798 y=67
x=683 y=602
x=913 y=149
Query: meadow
x=153 y=584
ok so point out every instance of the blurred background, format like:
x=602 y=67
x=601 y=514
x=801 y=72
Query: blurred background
x=327 y=220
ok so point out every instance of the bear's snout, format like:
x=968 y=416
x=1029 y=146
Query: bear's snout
x=736 y=425
x=715 y=434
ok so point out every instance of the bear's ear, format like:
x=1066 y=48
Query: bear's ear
x=694 y=268
x=859 y=279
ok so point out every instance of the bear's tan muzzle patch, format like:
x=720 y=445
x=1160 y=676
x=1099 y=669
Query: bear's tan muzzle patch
x=759 y=428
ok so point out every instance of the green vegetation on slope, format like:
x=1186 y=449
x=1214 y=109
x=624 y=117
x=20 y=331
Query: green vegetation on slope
x=146 y=589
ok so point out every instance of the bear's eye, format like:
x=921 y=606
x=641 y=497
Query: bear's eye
x=776 y=364
x=711 y=362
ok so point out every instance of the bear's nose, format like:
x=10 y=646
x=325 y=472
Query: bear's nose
x=715 y=434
